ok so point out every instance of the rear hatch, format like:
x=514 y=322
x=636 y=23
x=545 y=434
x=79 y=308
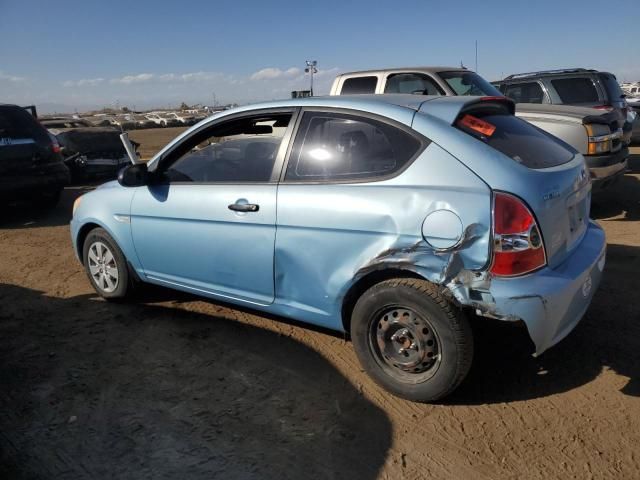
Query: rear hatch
x=24 y=144
x=549 y=175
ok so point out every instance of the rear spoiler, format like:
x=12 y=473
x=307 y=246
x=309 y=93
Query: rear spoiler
x=450 y=108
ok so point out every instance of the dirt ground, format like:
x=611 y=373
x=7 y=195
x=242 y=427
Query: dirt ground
x=178 y=387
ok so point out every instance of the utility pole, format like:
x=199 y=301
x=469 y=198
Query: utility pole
x=476 y=56
x=311 y=69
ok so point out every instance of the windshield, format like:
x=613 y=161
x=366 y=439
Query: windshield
x=469 y=83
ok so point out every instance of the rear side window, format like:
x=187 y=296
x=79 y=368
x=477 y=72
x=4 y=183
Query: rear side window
x=614 y=92
x=359 y=85
x=16 y=123
x=576 y=90
x=525 y=92
x=412 y=83
x=341 y=147
x=517 y=139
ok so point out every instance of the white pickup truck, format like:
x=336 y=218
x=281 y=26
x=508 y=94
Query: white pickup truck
x=590 y=131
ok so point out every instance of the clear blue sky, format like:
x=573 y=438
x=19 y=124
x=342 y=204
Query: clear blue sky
x=80 y=54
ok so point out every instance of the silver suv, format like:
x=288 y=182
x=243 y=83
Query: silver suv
x=576 y=86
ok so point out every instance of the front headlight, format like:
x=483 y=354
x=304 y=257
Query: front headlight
x=599 y=143
x=597 y=146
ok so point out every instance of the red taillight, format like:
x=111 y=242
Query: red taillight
x=517 y=242
x=55 y=148
x=603 y=107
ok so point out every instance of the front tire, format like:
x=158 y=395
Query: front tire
x=106 y=266
x=411 y=340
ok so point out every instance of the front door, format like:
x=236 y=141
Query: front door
x=207 y=222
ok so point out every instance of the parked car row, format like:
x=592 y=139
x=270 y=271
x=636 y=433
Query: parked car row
x=133 y=121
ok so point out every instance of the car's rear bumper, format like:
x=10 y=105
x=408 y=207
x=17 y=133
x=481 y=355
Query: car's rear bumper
x=552 y=301
x=24 y=185
x=606 y=168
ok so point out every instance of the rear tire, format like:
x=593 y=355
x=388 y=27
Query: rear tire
x=411 y=340
x=106 y=266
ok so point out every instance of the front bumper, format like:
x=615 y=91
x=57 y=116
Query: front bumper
x=552 y=301
x=606 y=168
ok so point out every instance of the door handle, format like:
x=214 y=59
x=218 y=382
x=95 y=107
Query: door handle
x=244 y=207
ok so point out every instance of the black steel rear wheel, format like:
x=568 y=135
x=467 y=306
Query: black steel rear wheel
x=411 y=340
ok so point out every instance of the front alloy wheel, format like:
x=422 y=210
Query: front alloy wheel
x=106 y=265
x=103 y=267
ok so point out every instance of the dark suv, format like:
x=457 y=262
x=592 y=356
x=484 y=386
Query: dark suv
x=576 y=86
x=31 y=166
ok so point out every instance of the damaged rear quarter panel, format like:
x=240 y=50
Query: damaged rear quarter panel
x=331 y=235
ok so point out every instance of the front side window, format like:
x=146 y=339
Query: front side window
x=236 y=151
x=359 y=85
x=341 y=147
x=525 y=92
x=412 y=83
x=576 y=90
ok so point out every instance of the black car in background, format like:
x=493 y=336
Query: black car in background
x=31 y=166
x=89 y=152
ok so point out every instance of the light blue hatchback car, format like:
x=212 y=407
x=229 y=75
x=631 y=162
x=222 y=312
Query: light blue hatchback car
x=391 y=217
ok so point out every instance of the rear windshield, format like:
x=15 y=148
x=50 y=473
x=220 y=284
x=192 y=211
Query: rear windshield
x=16 y=123
x=469 y=83
x=576 y=90
x=517 y=139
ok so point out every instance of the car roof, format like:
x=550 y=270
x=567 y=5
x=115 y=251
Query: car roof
x=563 y=72
x=357 y=102
x=399 y=107
x=428 y=69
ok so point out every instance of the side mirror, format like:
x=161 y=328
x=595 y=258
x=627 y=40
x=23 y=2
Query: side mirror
x=135 y=175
